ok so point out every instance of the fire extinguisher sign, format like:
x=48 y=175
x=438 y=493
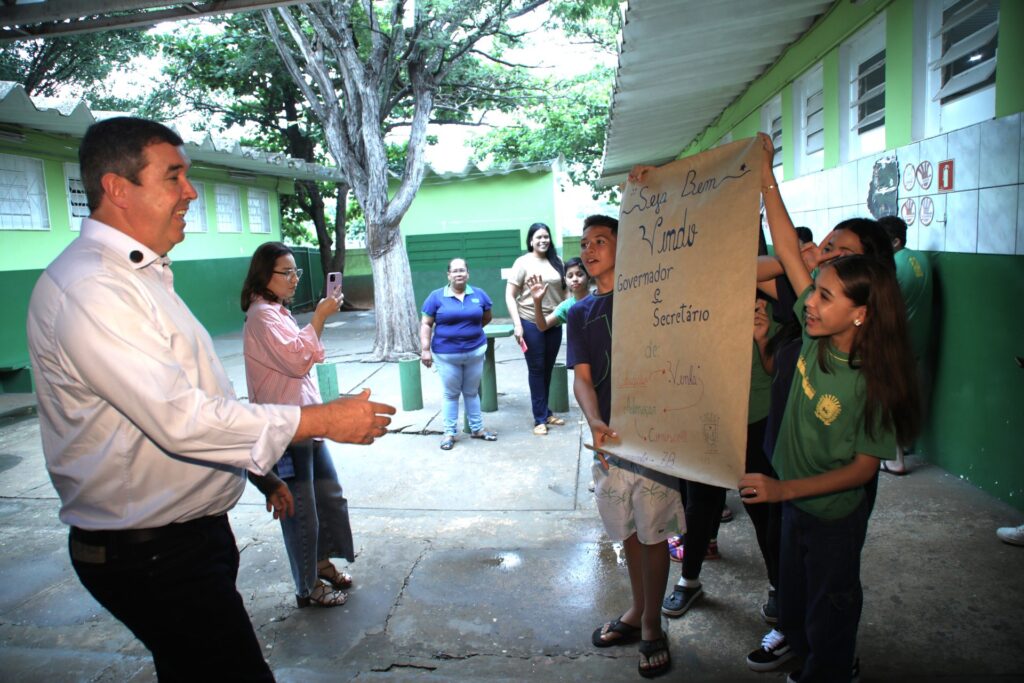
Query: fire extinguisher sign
x=946 y=175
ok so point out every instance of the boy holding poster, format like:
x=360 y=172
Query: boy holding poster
x=639 y=507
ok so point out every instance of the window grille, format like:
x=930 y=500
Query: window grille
x=969 y=37
x=229 y=210
x=195 y=219
x=814 y=121
x=259 y=211
x=22 y=194
x=869 y=106
x=78 y=203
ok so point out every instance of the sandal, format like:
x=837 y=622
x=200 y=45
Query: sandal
x=322 y=596
x=893 y=469
x=648 y=648
x=540 y=430
x=485 y=435
x=627 y=634
x=339 y=580
x=447 y=443
x=555 y=420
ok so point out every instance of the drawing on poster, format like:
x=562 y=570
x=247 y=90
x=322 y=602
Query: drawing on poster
x=682 y=329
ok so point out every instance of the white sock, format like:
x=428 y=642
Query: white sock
x=688 y=583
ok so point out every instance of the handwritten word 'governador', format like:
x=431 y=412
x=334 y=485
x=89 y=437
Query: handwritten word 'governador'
x=685 y=314
x=659 y=274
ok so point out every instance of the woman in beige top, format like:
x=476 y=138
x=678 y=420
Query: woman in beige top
x=540 y=348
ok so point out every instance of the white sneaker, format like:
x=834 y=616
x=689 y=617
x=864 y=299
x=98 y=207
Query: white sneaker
x=1014 y=535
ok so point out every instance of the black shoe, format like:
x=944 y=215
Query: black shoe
x=770 y=609
x=773 y=653
x=681 y=599
x=854 y=673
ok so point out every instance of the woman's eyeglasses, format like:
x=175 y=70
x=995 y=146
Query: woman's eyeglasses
x=290 y=273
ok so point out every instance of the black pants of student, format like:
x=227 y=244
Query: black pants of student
x=820 y=594
x=174 y=587
x=541 y=353
x=703 y=505
x=766 y=517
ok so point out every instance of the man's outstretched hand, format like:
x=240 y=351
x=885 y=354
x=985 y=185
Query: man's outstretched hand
x=353 y=419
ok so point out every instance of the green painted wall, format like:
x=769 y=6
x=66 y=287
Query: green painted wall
x=1010 y=69
x=977 y=421
x=35 y=249
x=830 y=92
x=899 y=72
x=479 y=202
x=486 y=253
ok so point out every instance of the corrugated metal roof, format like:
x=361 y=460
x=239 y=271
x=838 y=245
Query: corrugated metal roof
x=471 y=170
x=682 y=62
x=72 y=117
x=27 y=19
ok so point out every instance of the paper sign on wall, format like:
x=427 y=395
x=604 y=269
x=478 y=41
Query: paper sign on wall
x=684 y=314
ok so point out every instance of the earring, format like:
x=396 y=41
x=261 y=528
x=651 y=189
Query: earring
x=857 y=323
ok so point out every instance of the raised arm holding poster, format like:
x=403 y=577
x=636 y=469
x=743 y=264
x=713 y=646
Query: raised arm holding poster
x=683 y=325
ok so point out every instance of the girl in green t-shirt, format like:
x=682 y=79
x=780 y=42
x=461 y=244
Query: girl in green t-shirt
x=854 y=395
x=578 y=282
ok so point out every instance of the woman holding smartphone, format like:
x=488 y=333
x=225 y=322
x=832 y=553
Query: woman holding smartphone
x=279 y=357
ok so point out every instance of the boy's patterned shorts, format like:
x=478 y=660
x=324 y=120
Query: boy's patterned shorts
x=636 y=500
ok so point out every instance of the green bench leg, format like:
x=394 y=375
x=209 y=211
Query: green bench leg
x=558 y=394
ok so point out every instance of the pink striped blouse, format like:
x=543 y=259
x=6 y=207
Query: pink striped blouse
x=279 y=356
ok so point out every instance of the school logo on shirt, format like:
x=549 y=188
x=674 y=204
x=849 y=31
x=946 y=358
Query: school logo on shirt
x=828 y=409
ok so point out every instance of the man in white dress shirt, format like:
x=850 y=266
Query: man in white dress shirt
x=143 y=436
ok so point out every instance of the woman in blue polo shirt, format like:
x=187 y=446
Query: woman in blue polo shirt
x=455 y=317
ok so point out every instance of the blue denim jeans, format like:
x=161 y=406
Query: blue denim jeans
x=819 y=592
x=320 y=528
x=541 y=353
x=460 y=375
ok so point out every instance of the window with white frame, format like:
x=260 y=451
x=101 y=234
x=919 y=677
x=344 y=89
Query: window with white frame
x=810 y=112
x=78 y=203
x=961 y=63
x=862 y=103
x=229 y=209
x=259 y=210
x=195 y=219
x=771 y=123
x=22 y=194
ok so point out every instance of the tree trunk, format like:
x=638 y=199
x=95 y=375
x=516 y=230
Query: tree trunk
x=393 y=300
x=340 y=228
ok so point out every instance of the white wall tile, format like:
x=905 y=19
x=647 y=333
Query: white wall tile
x=1020 y=220
x=933 y=150
x=908 y=158
x=997 y=213
x=834 y=187
x=1000 y=152
x=912 y=232
x=848 y=173
x=964 y=148
x=962 y=222
x=931 y=235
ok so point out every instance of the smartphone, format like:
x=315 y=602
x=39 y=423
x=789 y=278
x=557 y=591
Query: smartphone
x=333 y=283
x=522 y=345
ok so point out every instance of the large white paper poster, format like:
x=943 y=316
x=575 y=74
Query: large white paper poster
x=682 y=329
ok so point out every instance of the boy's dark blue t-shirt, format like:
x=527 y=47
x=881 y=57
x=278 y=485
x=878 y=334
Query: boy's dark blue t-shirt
x=590 y=342
x=458 y=327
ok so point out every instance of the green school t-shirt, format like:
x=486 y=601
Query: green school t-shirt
x=562 y=309
x=914 y=274
x=823 y=426
x=760 y=381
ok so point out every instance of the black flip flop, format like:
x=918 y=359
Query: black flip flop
x=627 y=634
x=897 y=473
x=653 y=647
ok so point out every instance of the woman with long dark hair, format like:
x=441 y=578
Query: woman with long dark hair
x=279 y=357
x=539 y=347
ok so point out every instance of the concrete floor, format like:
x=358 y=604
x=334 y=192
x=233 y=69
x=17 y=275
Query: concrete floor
x=489 y=563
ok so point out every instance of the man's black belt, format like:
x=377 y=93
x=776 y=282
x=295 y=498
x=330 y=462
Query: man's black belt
x=115 y=537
